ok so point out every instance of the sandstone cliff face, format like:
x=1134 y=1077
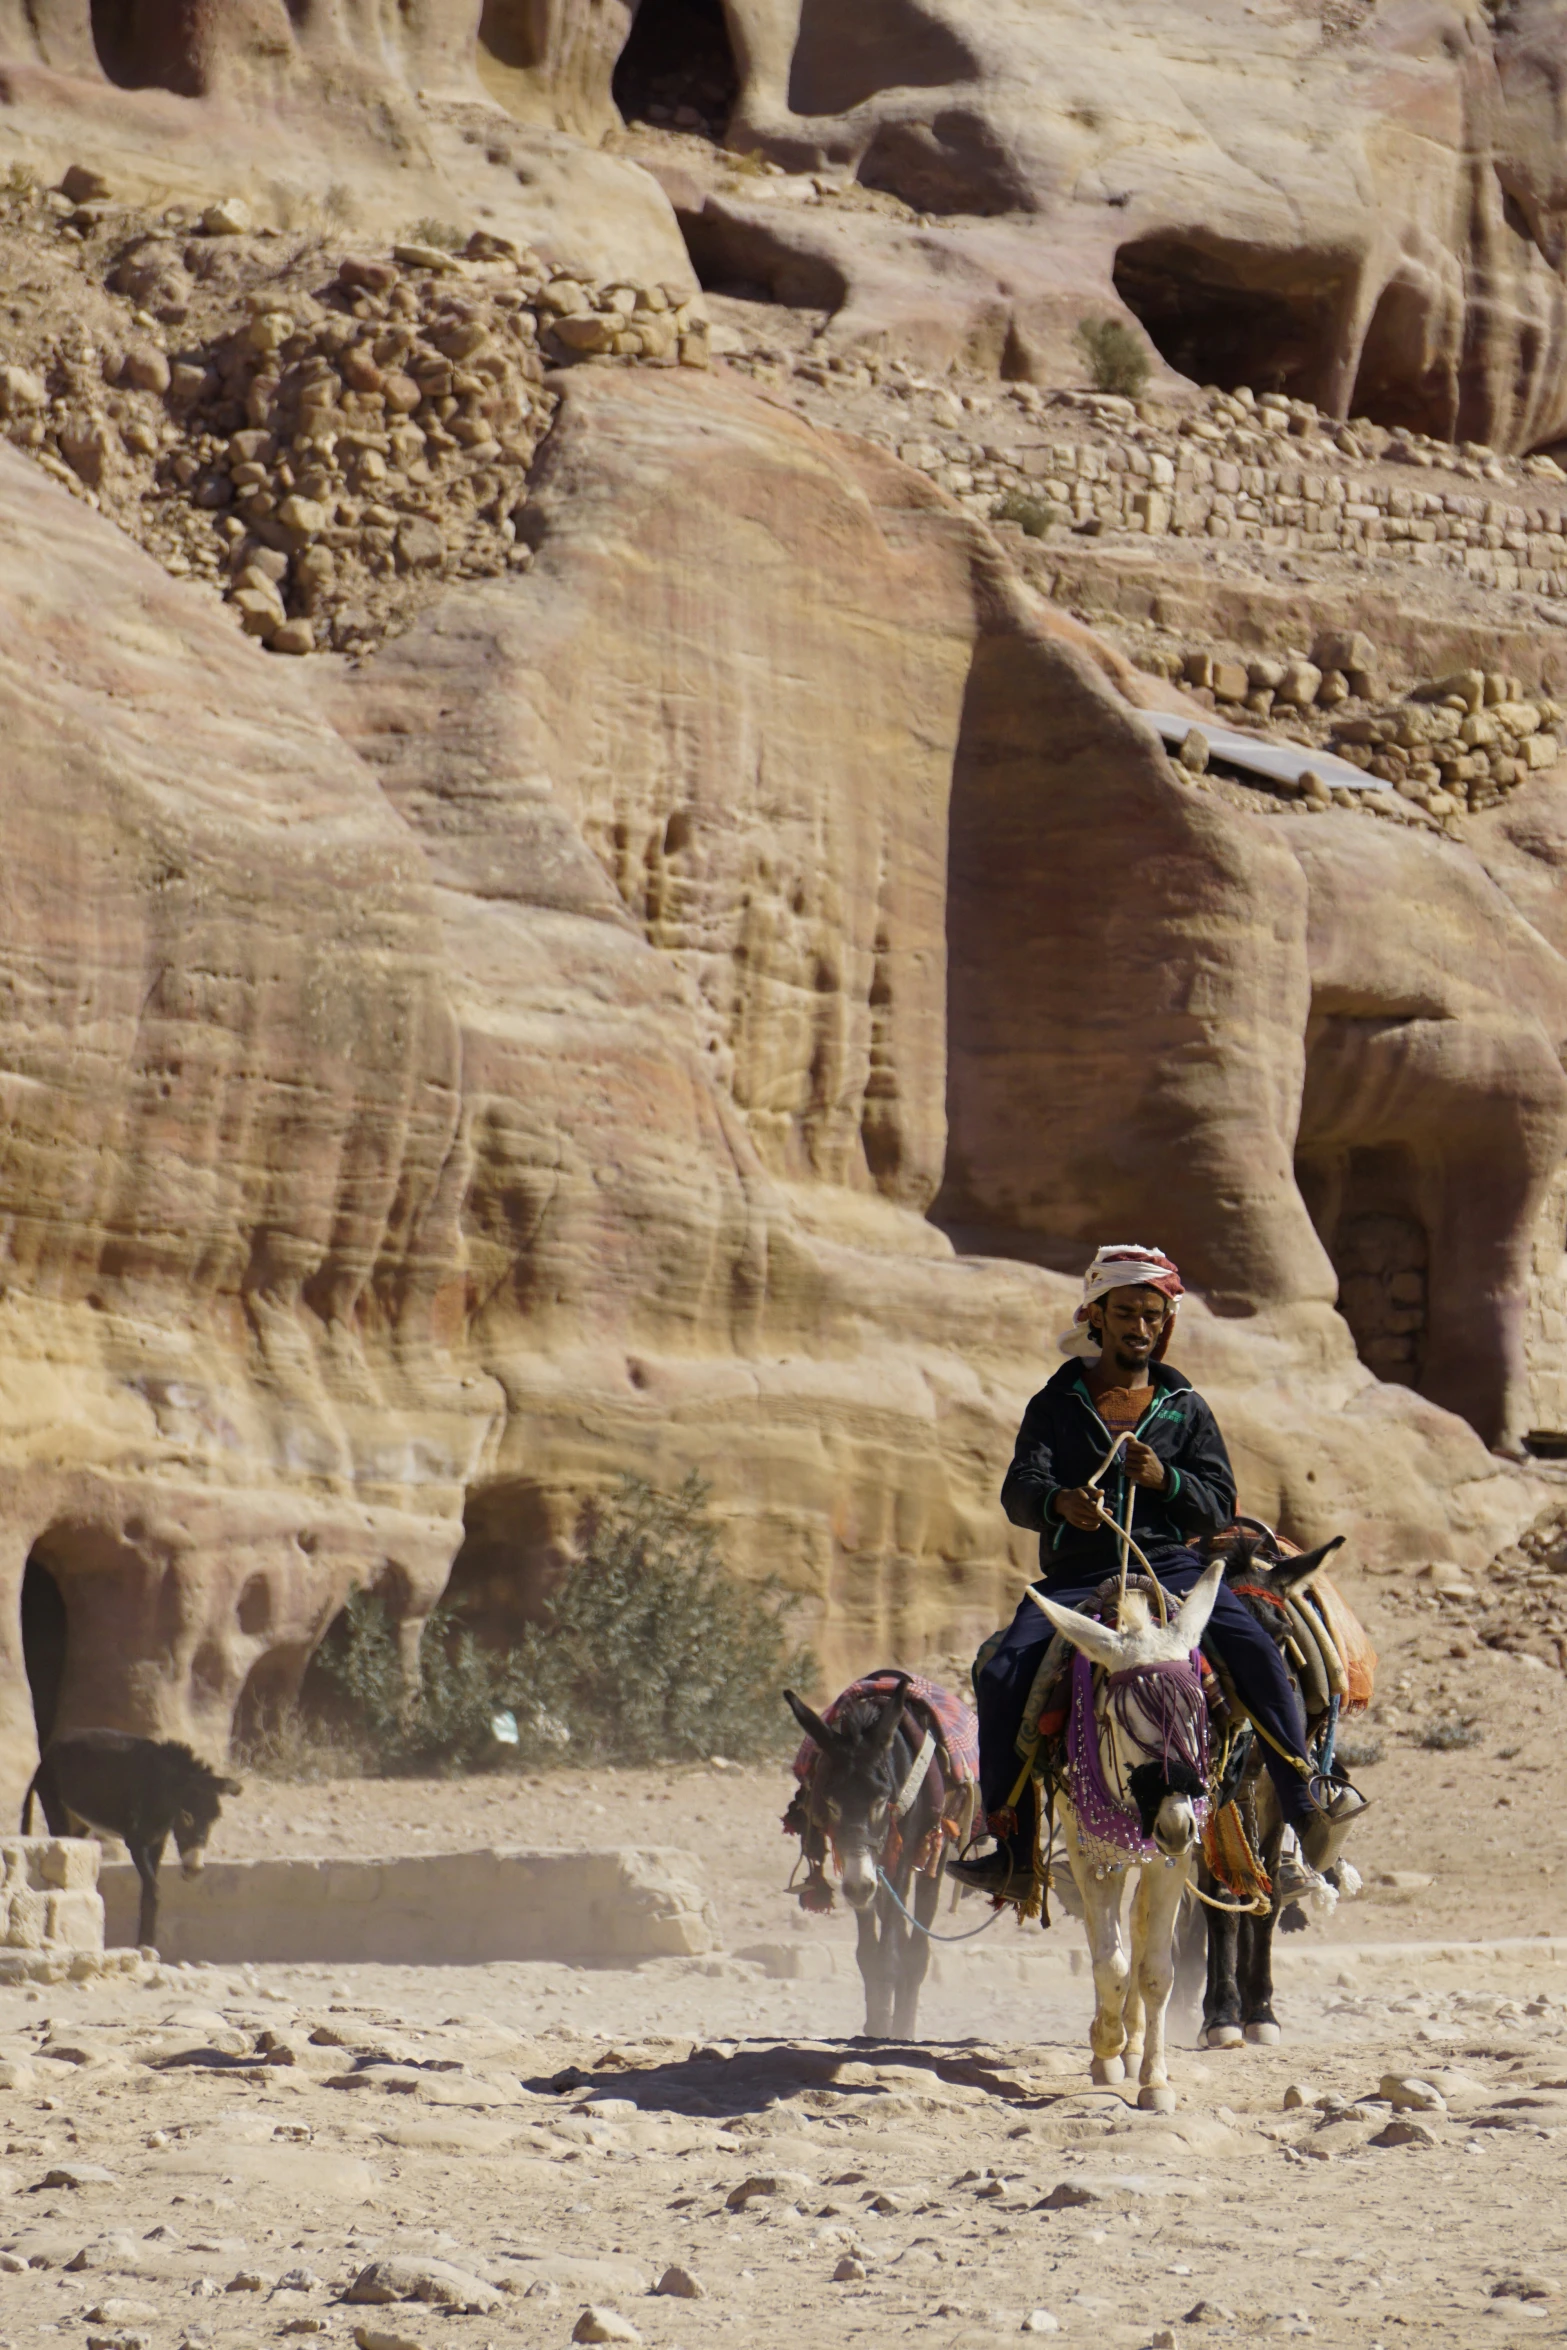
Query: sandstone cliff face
x=1377 y=227
x=342 y=113
x=413 y=1125
x=231 y=1087
x=697 y=1000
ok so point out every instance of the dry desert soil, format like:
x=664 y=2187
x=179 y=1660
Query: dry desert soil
x=214 y=2155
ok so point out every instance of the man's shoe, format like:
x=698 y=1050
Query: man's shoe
x=996 y=1873
x=1296 y=1880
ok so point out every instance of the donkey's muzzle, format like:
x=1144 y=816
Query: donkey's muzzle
x=1175 y=1826
x=859 y=1879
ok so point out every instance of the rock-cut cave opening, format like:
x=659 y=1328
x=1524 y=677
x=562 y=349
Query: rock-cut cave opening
x=1366 y=1209
x=147 y=45
x=1405 y=376
x=677 y=67
x=45 y=1641
x=1230 y=314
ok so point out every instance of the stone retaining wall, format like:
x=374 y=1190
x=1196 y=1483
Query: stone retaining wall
x=430 y=1909
x=51 y=1913
x=1274 y=473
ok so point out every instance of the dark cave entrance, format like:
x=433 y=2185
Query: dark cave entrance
x=1230 y=315
x=1398 y=380
x=516 y=1542
x=677 y=67
x=45 y=1640
x=149 y=45
x=1366 y=1207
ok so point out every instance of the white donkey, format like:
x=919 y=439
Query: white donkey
x=1137 y=1742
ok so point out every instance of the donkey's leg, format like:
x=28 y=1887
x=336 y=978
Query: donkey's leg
x=146 y=1858
x=1155 y=1905
x=1221 y=2006
x=1133 y=2014
x=1101 y=1899
x=1262 y=2025
x=914 y=1959
x=877 y=1954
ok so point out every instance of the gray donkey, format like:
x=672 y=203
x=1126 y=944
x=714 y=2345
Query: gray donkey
x=865 y=1758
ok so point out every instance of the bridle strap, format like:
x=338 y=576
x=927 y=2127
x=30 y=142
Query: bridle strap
x=914 y=1779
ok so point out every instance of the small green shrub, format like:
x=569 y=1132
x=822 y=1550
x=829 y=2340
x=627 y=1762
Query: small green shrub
x=439 y=233
x=1443 y=1737
x=1114 y=356
x=1031 y=516
x=1358 y=1751
x=652 y=1651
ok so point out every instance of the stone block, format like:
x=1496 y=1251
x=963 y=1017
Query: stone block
x=450 y=1908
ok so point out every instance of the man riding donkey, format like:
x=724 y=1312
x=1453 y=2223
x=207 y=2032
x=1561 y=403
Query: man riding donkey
x=1171 y=1484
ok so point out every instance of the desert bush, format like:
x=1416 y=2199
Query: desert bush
x=1442 y=1737
x=1357 y=1750
x=439 y=233
x=651 y=1651
x=1031 y=516
x=1114 y=355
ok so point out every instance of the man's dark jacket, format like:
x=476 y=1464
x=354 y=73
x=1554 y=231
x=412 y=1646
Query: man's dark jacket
x=1062 y=1442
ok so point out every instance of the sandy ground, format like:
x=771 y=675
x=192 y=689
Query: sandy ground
x=245 y=2142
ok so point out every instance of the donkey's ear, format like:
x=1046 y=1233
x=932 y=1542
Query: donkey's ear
x=1191 y=1619
x=811 y=1723
x=1294 y=1574
x=1238 y=1555
x=1098 y=1643
x=890 y=1720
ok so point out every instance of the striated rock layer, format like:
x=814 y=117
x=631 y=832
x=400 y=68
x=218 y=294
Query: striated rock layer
x=547 y=1060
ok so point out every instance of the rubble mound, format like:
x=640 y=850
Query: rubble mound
x=327 y=437
x=1458 y=744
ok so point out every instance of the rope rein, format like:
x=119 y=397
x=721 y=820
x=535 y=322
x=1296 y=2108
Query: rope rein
x=928 y=1932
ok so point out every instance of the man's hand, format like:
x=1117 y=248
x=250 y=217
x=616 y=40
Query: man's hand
x=1144 y=1466
x=1080 y=1506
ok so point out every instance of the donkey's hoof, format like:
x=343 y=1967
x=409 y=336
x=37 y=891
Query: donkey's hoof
x=1263 y=2035
x=1106 y=2070
x=1221 y=2036
x=1156 y=2099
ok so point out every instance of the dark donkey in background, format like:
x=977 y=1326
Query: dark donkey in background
x=864 y=1758
x=142 y=1790
x=1238 y=1999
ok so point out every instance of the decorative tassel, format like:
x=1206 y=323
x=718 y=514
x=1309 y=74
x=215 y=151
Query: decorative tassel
x=816 y=1894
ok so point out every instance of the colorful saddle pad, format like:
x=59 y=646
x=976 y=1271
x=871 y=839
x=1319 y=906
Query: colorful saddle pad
x=955 y=1725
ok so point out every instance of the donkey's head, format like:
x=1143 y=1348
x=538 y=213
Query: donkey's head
x=1257 y=1572
x=1155 y=1712
x=856 y=1782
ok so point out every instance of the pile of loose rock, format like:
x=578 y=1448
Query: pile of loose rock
x=346 y=434
x=1522 y=1604
x=1459 y=743
x=1451 y=746
x=1272 y=685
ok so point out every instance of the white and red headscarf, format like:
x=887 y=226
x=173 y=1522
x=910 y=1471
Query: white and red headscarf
x=1123 y=1266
